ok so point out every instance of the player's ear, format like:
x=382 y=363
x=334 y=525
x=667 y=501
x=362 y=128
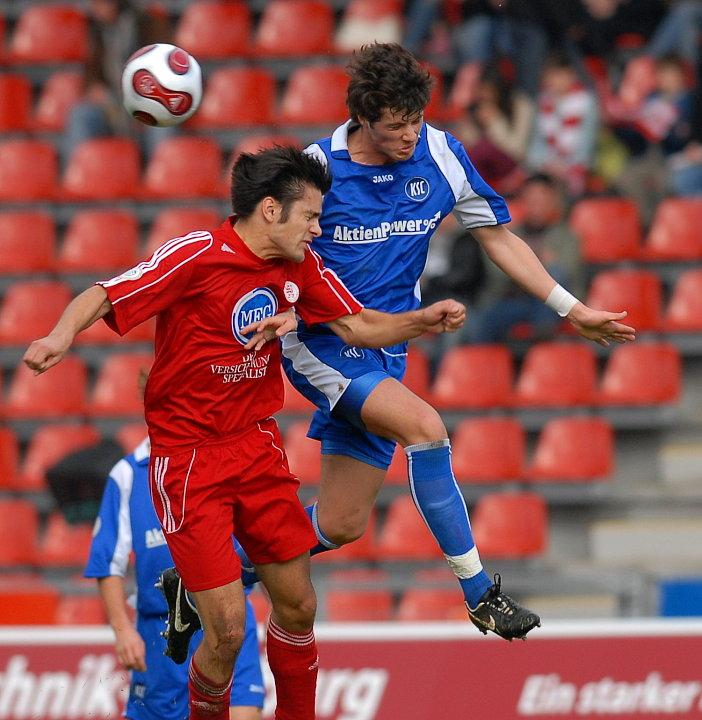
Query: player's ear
x=270 y=209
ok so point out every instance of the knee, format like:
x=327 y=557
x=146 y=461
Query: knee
x=427 y=426
x=225 y=640
x=348 y=528
x=297 y=613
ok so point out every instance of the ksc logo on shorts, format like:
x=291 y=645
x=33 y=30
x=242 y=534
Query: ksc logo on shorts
x=417 y=189
x=351 y=352
x=252 y=307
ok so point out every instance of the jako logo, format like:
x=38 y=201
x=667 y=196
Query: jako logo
x=252 y=307
x=352 y=352
x=417 y=189
x=382 y=178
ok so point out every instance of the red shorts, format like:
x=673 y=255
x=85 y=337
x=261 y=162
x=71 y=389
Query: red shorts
x=240 y=486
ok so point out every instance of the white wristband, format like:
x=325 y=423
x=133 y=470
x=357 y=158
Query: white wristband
x=560 y=300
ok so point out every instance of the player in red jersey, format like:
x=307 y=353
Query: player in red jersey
x=217 y=467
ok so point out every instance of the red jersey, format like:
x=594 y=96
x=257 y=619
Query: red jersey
x=204 y=287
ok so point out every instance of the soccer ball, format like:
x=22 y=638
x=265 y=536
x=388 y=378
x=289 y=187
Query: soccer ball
x=161 y=85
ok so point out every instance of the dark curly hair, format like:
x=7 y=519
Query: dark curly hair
x=385 y=75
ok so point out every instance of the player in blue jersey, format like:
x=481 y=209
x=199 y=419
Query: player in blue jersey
x=127 y=522
x=394 y=179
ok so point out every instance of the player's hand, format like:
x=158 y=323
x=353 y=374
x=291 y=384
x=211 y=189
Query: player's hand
x=444 y=316
x=269 y=328
x=46 y=352
x=601 y=326
x=129 y=648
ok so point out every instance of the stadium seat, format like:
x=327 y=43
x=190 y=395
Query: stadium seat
x=642 y=374
x=131 y=435
x=48 y=445
x=30 y=309
x=365 y=548
x=397 y=472
x=315 y=95
x=291 y=28
x=81 y=610
x=675 y=232
x=254 y=143
x=366 y=21
x=27 y=600
x=684 y=312
x=356 y=603
x=404 y=536
x=15 y=102
x=116 y=389
x=49 y=33
x=479 y=376
x=58 y=393
x=102 y=169
x=426 y=604
x=236 y=96
x=215 y=29
x=175 y=222
x=557 y=375
x=639 y=292
x=27 y=242
x=489 y=449
x=417 y=377
x=304 y=454
x=28 y=170
x=9 y=458
x=58 y=94
x=510 y=525
x=435 y=109
x=609 y=229
x=100 y=240
x=100 y=334
x=184 y=167
x=295 y=402
x=572 y=449
x=19 y=520
x=63 y=545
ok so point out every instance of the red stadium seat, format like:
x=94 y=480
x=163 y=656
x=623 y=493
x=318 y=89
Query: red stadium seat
x=63 y=545
x=254 y=143
x=397 y=472
x=294 y=401
x=215 y=30
x=28 y=170
x=417 y=374
x=100 y=240
x=103 y=169
x=27 y=600
x=358 y=603
x=15 y=102
x=684 y=313
x=609 y=229
x=638 y=292
x=184 y=167
x=116 y=389
x=295 y=27
x=315 y=95
x=557 y=375
x=304 y=454
x=81 y=610
x=365 y=548
x=366 y=21
x=488 y=449
x=27 y=242
x=58 y=94
x=426 y=604
x=510 y=525
x=479 y=376
x=48 y=445
x=19 y=521
x=675 y=232
x=31 y=309
x=642 y=374
x=573 y=448
x=57 y=393
x=131 y=435
x=9 y=458
x=100 y=334
x=237 y=96
x=175 y=222
x=49 y=33
x=435 y=109
x=404 y=536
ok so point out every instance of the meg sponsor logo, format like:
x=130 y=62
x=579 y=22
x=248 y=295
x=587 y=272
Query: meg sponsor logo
x=253 y=307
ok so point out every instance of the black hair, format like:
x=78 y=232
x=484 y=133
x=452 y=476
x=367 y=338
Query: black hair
x=385 y=75
x=541 y=178
x=279 y=172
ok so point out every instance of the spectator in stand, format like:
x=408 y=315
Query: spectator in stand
x=502 y=305
x=496 y=131
x=566 y=126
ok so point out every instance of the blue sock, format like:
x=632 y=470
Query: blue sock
x=248 y=573
x=443 y=508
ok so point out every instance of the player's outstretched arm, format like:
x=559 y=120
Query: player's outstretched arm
x=370 y=328
x=270 y=328
x=80 y=313
x=129 y=645
x=514 y=257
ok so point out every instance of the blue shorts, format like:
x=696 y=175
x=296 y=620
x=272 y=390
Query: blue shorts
x=338 y=378
x=161 y=693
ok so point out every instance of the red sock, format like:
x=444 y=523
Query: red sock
x=293 y=661
x=208 y=700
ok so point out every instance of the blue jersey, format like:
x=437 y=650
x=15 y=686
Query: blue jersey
x=377 y=220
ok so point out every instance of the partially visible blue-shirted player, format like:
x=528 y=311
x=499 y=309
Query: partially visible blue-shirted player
x=127 y=523
x=394 y=179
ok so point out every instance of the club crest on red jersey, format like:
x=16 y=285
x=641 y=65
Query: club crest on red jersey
x=253 y=307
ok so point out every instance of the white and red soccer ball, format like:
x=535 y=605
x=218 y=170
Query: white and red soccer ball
x=161 y=85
